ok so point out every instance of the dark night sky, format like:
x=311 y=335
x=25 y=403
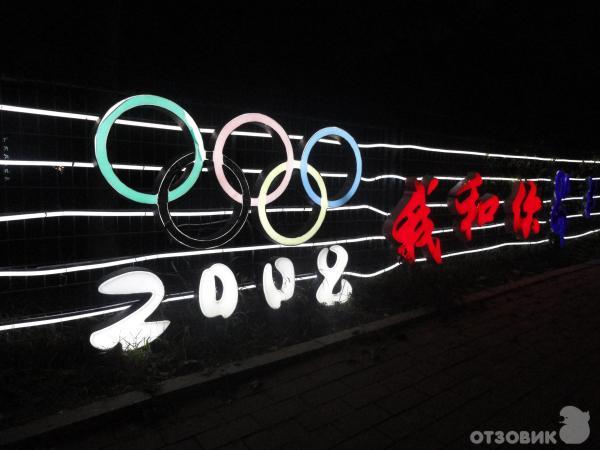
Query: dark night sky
x=520 y=73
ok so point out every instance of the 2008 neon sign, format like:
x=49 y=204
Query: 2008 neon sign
x=242 y=197
x=130 y=329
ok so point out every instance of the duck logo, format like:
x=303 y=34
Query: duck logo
x=575 y=429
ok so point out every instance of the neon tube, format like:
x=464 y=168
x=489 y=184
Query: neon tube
x=257 y=171
x=69 y=268
x=93 y=313
x=93 y=118
x=138 y=259
x=75 y=213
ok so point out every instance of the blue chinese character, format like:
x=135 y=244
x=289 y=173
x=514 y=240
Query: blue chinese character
x=588 y=198
x=558 y=215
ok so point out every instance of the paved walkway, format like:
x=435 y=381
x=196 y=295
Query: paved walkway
x=510 y=363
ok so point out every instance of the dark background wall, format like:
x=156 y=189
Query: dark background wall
x=524 y=73
x=486 y=76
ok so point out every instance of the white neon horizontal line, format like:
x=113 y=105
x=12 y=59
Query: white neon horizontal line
x=334 y=175
x=535 y=158
x=419 y=147
x=251 y=134
x=580 y=215
x=494 y=225
x=178 y=298
x=134 y=123
x=37 y=323
x=482 y=227
x=88 y=117
x=466 y=252
x=372 y=274
x=77 y=213
x=339 y=208
x=452 y=178
x=380 y=177
x=258 y=171
x=20 y=162
x=85 y=315
x=13 y=217
x=587 y=233
x=42 y=215
x=494 y=247
x=487 y=227
x=137 y=123
x=516 y=179
x=369 y=207
x=60 y=318
x=306 y=277
x=129 y=167
x=45 y=112
x=187 y=296
x=570 y=199
x=139 y=259
x=471 y=153
x=445 y=205
x=249 y=286
x=577 y=161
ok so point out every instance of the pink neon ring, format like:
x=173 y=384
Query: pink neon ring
x=220 y=144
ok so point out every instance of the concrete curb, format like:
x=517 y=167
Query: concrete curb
x=183 y=384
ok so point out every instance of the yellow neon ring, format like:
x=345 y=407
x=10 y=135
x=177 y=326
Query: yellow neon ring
x=262 y=206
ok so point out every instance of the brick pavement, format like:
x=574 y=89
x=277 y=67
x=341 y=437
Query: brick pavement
x=509 y=363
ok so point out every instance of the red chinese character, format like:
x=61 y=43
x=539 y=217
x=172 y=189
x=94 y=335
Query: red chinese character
x=471 y=207
x=409 y=223
x=521 y=208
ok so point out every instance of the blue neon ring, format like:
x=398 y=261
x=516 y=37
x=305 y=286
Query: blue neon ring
x=330 y=131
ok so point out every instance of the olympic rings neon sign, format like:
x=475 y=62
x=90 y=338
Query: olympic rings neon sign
x=242 y=198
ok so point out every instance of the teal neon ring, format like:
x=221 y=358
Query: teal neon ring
x=324 y=132
x=111 y=117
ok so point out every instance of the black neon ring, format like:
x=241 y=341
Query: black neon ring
x=229 y=230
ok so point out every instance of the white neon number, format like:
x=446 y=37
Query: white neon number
x=273 y=295
x=331 y=275
x=132 y=331
x=207 y=292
